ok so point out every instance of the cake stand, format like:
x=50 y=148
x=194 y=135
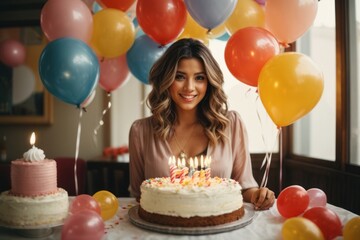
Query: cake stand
x=242 y=222
x=38 y=231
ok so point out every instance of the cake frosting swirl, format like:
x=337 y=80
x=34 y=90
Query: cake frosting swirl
x=34 y=154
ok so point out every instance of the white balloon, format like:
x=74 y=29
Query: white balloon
x=23 y=84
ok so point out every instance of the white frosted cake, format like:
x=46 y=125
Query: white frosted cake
x=191 y=202
x=34 y=198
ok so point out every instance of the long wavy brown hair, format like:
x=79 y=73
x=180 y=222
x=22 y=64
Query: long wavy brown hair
x=212 y=110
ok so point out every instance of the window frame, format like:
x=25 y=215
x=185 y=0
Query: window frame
x=342 y=158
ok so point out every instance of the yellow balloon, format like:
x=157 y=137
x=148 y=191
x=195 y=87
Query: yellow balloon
x=193 y=30
x=351 y=229
x=247 y=13
x=113 y=33
x=217 y=32
x=109 y=204
x=299 y=228
x=289 y=86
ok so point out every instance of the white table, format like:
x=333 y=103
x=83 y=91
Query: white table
x=265 y=225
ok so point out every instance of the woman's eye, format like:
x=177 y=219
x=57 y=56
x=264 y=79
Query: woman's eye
x=200 y=78
x=179 y=77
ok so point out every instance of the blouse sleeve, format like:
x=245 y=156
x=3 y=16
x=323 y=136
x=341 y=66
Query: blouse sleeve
x=136 y=160
x=242 y=169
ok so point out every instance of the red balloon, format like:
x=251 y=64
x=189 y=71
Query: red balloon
x=247 y=51
x=326 y=219
x=84 y=225
x=12 y=53
x=113 y=73
x=122 y=5
x=163 y=21
x=292 y=201
x=84 y=202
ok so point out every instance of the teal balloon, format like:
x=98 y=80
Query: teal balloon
x=69 y=70
x=142 y=55
x=224 y=37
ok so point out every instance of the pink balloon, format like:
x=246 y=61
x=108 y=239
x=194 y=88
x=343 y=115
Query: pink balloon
x=84 y=202
x=84 y=225
x=12 y=53
x=317 y=197
x=113 y=72
x=288 y=20
x=66 y=18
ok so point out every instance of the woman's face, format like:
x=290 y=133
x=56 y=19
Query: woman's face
x=190 y=84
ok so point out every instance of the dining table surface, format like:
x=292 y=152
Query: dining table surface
x=266 y=224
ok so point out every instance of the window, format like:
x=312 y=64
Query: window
x=354 y=40
x=315 y=134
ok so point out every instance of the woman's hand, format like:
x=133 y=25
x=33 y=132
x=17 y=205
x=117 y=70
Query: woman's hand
x=262 y=198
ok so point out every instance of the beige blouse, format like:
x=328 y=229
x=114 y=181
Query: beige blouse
x=149 y=155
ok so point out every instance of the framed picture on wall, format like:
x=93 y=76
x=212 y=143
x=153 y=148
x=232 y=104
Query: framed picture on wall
x=23 y=98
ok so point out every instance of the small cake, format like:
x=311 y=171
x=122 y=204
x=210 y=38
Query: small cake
x=191 y=202
x=34 y=198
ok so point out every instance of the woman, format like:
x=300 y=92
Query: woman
x=190 y=118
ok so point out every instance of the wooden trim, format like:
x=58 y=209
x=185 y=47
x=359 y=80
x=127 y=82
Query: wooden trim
x=342 y=84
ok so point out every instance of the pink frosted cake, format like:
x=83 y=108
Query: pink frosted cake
x=34 y=198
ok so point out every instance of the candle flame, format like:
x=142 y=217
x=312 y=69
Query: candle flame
x=191 y=163
x=32 y=139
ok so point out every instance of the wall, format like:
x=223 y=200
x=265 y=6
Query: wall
x=59 y=138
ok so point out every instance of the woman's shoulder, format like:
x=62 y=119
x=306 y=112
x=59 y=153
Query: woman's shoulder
x=233 y=116
x=141 y=124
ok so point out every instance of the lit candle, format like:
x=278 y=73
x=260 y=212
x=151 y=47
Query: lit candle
x=33 y=139
x=34 y=153
x=191 y=164
x=207 y=168
x=172 y=169
x=202 y=162
x=196 y=172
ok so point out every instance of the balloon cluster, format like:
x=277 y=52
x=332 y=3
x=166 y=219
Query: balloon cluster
x=256 y=35
x=307 y=216
x=87 y=215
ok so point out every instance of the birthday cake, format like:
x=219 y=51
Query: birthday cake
x=34 y=198
x=191 y=201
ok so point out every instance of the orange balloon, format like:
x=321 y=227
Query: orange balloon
x=247 y=13
x=122 y=5
x=113 y=34
x=162 y=20
x=290 y=85
x=247 y=51
x=109 y=204
x=299 y=228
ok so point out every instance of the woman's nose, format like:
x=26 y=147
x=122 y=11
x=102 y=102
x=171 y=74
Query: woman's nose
x=189 y=84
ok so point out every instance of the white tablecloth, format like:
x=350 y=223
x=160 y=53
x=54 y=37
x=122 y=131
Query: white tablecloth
x=265 y=225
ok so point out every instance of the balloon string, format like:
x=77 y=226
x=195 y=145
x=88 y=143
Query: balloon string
x=77 y=153
x=281 y=161
x=267 y=161
x=101 y=122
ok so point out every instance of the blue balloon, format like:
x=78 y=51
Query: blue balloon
x=69 y=70
x=142 y=55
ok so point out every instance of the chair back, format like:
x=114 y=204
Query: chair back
x=5 y=182
x=66 y=174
